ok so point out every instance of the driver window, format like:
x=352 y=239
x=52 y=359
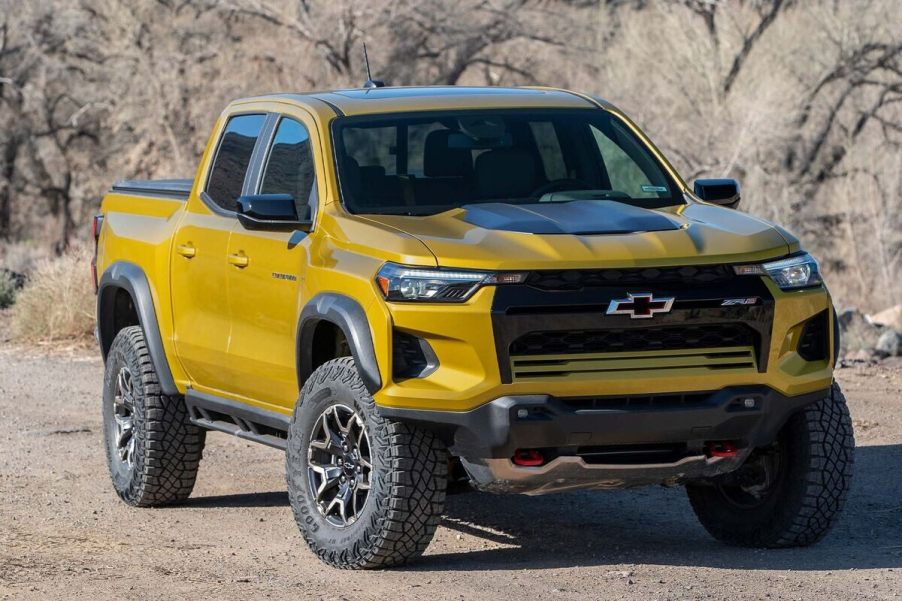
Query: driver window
x=289 y=168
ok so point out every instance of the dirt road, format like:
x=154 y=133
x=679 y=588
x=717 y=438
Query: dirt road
x=65 y=535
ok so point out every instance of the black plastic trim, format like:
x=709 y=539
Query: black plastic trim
x=334 y=107
x=131 y=278
x=430 y=360
x=174 y=189
x=349 y=316
x=836 y=337
x=500 y=427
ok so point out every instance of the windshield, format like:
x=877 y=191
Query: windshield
x=422 y=164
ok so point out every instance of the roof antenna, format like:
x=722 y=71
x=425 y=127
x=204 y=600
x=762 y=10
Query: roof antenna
x=370 y=83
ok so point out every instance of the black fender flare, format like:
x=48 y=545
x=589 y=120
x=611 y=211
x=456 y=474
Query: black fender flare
x=346 y=313
x=122 y=275
x=837 y=340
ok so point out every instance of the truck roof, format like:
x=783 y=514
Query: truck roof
x=363 y=101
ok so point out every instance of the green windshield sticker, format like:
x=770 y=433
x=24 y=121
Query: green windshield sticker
x=654 y=188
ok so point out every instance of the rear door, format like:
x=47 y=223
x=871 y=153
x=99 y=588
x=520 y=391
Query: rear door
x=199 y=268
x=267 y=270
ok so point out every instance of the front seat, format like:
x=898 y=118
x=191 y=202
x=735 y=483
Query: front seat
x=448 y=171
x=505 y=173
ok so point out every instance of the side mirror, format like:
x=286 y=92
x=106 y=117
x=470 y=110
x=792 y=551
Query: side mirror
x=723 y=192
x=271 y=212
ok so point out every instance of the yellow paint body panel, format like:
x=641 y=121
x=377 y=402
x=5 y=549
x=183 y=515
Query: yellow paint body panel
x=231 y=331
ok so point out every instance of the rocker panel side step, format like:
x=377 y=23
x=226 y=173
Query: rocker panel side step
x=238 y=419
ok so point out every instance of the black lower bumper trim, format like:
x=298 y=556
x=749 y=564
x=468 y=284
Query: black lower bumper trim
x=750 y=416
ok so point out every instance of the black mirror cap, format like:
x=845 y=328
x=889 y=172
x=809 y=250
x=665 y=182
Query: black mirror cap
x=271 y=212
x=723 y=192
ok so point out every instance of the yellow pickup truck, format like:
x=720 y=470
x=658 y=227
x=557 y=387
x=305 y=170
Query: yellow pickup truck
x=510 y=287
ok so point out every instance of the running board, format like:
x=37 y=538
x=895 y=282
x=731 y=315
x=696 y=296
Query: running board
x=238 y=419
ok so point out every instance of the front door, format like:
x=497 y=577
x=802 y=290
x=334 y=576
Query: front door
x=265 y=276
x=200 y=302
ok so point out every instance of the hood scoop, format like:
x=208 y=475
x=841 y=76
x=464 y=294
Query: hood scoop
x=579 y=217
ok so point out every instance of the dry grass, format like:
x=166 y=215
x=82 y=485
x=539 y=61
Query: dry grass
x=57 y=303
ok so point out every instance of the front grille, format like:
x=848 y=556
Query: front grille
x=634 y=339
x=576 y=279
x=552 y=328
x=638 y=402
x=598 y=366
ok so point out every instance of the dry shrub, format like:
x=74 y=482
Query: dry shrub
x=57 y=303
x=7 y=290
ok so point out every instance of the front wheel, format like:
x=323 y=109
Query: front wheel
x=366 y=492
x=789 y=493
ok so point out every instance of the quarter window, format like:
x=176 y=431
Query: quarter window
x=232 y=159
x=289 y=169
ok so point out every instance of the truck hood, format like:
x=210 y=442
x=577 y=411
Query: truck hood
x=591 y=233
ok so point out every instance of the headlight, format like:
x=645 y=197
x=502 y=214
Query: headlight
x=401 y=283
x=789 y=274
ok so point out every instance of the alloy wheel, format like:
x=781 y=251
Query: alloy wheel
x=124 y=416
x=339 y=465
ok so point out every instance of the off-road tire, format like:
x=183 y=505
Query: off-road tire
x=409 y=478
x=167 y=446
x=809 y=491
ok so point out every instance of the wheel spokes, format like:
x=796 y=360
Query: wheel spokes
x=123 y=416
x=339 y=466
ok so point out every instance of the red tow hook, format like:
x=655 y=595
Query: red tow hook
x=528 y=457
x=722 y=448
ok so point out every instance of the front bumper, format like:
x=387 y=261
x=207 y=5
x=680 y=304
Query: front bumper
x=581 y=435
x=471 y=344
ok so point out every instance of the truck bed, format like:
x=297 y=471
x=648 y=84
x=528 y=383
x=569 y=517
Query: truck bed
x=178 y=189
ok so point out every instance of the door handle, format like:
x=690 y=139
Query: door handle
x=239 y=260
x=186 y=250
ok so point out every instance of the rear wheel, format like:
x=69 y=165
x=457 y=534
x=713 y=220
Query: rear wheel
x=789 y=493
x=153 y=450
x=366 y=492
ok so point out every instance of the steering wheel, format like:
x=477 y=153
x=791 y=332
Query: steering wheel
x=559 y=185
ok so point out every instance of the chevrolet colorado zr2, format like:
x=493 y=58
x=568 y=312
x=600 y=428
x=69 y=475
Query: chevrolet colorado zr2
x=404 y=286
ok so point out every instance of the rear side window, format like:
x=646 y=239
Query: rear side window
x=289 y=169
x=232 y=159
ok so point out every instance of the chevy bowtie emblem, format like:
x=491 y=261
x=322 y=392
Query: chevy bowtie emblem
x=641 y=305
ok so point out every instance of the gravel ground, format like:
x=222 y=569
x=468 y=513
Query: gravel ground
x=65 y=535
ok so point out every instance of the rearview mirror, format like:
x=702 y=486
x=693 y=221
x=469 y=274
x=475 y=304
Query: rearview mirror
x=271 y=212
x=723 y=192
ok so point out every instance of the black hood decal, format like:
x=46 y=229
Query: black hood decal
x=583 y=217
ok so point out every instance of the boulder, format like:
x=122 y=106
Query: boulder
x=857 y=332
x=890 y=344
x=890 y=318
x=849 y=316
